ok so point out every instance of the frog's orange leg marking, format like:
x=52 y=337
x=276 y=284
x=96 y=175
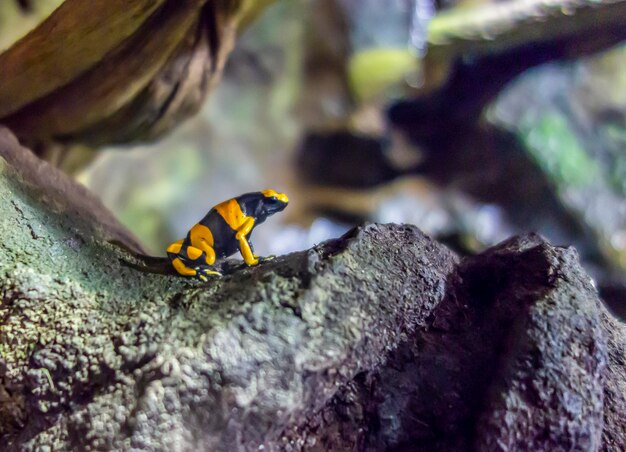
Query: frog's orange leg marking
x=202 y=238
x=193 y=252
x=210 y=255
x=233 y=215
x=182 y=268
x=175 y=247
x=248 y=257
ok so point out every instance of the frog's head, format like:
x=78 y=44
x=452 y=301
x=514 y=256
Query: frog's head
x=273 y=202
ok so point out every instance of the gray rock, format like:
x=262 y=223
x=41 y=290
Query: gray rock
x=519 y=355
x=380 y=339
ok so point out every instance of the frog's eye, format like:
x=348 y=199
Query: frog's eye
x=281 y=197
x=274 y=195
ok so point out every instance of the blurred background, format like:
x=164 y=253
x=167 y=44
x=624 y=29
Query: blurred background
x=472 y=119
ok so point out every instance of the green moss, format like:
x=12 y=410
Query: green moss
x=557 y=150
x=616 y=133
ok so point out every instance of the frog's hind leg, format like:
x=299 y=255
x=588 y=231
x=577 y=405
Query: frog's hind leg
x=182 y=269
x=203 y=272
x=174 y=249
x=189 y=261
x=174 y=252
x=198 y=260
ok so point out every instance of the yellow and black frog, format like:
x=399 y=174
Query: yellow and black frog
x=224 y=231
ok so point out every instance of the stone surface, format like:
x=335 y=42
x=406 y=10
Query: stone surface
x=520 y=355
x=379 y=340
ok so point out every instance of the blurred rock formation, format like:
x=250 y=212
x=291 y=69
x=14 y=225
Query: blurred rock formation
x=541 y=149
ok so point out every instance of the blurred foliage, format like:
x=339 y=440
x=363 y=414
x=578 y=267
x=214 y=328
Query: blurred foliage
x=571 y=117
x=555 y=147
x=373 y=71
x=386 y=42
x=616 y=133
x=251 y=10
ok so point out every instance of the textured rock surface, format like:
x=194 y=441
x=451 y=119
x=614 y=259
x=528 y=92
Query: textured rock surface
x=520 y=355
x=378 y=340
x=614 y=434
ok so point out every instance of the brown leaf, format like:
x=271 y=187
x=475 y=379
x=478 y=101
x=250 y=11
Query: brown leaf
x=115 y=71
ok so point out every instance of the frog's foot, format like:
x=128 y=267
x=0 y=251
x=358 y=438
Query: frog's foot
x=266 y=258
x=203 y=273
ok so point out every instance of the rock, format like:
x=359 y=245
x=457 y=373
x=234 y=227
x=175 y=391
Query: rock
x=520 y=355
x=614 y=434
x=380 y=339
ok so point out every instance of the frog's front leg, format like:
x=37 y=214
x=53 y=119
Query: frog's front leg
x=254 y=255
x=246 y=251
